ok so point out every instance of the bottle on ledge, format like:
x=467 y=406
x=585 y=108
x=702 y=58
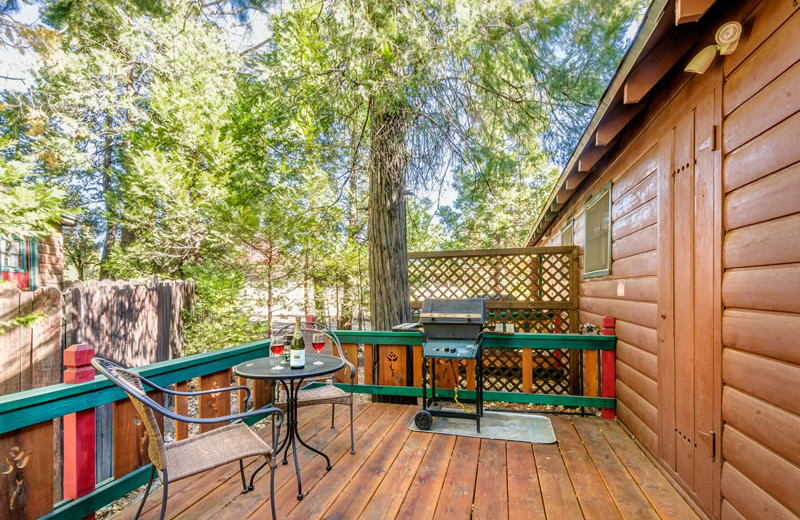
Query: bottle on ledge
x=298 y=350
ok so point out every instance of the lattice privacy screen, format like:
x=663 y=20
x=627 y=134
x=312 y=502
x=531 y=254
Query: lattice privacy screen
x=535 y=289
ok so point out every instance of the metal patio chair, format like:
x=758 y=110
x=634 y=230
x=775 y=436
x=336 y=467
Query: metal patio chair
x=185 y=458
x=327 y=394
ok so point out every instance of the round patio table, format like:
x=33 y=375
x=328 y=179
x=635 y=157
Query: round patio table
x=271 y=368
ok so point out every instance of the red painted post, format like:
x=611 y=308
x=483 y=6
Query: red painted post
x=607 y=368
x=79 y=428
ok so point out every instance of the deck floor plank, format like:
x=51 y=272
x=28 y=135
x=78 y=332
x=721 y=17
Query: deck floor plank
x=421 y=499
x=596 y=502
x=455 y=500
x=357 y=492
x=491 y=486
x=389 y=495
x=323 y=495
x=312 y=469
x=558 y=495
x=665 y=499
x=595 y=470
x=630 y=500
x=524 y=493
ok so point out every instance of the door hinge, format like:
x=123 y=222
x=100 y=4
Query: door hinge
x=713 y=137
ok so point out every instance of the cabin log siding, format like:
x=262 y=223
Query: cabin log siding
x=630 y=293
x=51 y=261
x=757 y=292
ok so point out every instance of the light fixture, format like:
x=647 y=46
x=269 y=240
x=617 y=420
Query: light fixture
x=727 y=38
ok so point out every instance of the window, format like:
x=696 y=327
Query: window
x=12 y=255
x=597 y=250
x=566 y=234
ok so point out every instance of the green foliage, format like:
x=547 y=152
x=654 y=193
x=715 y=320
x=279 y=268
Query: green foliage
x=218 y=320
x=28 y=206
x=184 y=158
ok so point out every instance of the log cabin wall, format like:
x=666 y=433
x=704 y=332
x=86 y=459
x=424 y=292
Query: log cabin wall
x=744 y=303
x=761 y=262
x=51 y=261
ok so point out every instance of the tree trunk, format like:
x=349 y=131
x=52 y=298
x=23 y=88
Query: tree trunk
x=350 y=298
x=386 y=228
x=386 y=233
x=111 y=227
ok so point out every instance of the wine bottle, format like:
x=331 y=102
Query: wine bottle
x=298 y=359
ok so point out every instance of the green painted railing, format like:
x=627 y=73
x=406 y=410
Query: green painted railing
x=34 y=406
x=31 y=407
x=24 y=409
x=519 y=340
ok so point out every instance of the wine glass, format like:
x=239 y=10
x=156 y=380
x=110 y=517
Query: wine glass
x=277 y=344
x=318 y=342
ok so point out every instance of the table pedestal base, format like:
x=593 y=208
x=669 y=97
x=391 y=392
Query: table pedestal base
x=292 y=436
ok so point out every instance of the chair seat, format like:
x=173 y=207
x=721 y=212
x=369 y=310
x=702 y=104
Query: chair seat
x=321 y=395
x=206 y=451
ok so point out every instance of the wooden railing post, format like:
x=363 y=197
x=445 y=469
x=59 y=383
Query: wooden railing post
x=607 y=368
x=79 y=428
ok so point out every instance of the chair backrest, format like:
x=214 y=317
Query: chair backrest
x=131 y=383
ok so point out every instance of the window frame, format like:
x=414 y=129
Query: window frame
x=605 y=190
x=23 y=257
x=571 y=225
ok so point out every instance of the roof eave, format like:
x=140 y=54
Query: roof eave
x=654 y=14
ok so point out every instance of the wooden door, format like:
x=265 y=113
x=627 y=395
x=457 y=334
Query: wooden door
x=693 y=260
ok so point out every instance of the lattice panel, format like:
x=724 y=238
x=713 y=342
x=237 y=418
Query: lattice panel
x=534 y=320
x=551 y=372
x=530 y=275
x=502 y=370
x=535 y=289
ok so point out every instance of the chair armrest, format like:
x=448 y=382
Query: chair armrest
x=351 y=368
x=200 y=392
x=204 y=420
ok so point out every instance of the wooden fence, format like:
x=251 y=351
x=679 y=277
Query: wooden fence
x=134 y=323
x=130 y=322
x=31 y=356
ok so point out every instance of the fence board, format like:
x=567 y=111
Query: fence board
x=104 y=445
x=11 y=368
x=130 y=436
x=26 y=472
x=392 y=365
x=215 y=404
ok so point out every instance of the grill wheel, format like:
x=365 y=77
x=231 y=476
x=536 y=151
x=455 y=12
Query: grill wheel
x=423 y=420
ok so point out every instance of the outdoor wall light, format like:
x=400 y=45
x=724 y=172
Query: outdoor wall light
x=727 y=38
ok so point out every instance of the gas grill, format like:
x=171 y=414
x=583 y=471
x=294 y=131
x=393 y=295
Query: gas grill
x=451 y=330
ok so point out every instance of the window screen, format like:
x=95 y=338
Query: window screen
x=566 y=234
x=597 y=251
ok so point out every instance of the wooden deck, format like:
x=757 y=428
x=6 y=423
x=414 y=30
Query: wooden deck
x=594 y=471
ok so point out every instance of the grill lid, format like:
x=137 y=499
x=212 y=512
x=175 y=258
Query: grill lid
x=470 y=310
x=453 y=319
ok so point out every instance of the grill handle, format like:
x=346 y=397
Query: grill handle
x=407 y=327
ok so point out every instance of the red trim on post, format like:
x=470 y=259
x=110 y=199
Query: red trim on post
x=79 y=428
x=607 y=368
